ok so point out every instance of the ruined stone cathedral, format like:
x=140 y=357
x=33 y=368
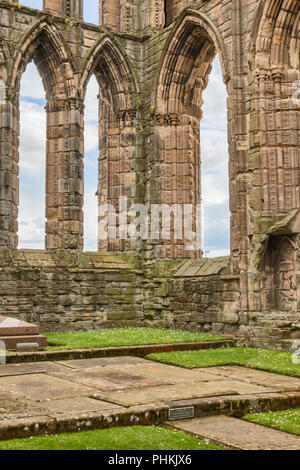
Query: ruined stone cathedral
x=152 y=60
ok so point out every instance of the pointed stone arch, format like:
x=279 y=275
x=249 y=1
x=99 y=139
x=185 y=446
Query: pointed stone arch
x=4 y=54
x=277 y=67
x=114 y=73
x=275 y=33
x=186 y=63
x=295 y=44
x=118 y=107
x=274 y=153
x=278 y=281
x=182 y=76
x=44 y=45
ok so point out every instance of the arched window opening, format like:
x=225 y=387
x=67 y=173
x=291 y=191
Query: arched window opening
x=214 y=166
x=32 y=161
x=38 y=4
x=170 y=9
x=278 y=289
x=91 y=167
x=91 y=11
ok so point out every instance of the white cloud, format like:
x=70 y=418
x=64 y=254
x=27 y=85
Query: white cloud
x=90 y=220
x=31 y=219
x=214 y=165
x=90 y=137
x=31 y=84
x=32 y=137
x=214 y=189
x=215 y=253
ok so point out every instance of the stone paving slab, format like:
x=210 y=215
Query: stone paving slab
x=80 y=405
x=253 y=376
x=12 y=406
x=42 y=387
x=170 y=373
x=238 y=434
x=30 y=368
x=179 y=392
x=125 y=390
x=106 y=378
x=102 y=362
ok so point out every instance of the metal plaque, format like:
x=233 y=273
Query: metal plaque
x=181 y=413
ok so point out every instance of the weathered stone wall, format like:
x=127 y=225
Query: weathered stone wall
x=62 y=290
x=152 y=60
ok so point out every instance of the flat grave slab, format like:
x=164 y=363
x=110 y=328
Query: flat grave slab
x=80 y=405
x=179 y=392
x=106 y=386
x=170 y=373
x=107 y=378
x=253 y=376
x=42 y=387
x=238 y=434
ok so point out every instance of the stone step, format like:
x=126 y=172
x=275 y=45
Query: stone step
x=237 y=434
x=12 y=341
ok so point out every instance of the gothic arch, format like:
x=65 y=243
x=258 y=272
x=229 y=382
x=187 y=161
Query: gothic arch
x=278 y=280
x=181 y=78
x=44 y=45
x=186 y=63
x=118 y=105
x=274 y=34
x=113 y=72
x=295 y=44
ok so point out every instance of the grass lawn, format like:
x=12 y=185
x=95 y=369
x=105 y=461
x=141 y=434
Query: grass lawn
x=272 y=361
x=123 y=337
x=287 y=420
x=128 y=438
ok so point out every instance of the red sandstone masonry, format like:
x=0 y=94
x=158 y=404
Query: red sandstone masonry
x=151 y=81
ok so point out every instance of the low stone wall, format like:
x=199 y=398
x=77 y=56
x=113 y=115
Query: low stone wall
x=70 y=290
x=197 y=295
x=63 y=290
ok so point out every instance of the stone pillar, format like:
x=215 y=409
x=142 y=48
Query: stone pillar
x=109 y=14
x=73 y=8
x=64 y=175
x=176 y=177
x=274 y=191
x=53 y=6
x=9 y=185
x=117 y=177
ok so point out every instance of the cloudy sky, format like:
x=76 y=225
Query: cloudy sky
x=214 y=156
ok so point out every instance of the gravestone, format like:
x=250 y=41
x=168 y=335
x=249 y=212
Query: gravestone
x=14 y=331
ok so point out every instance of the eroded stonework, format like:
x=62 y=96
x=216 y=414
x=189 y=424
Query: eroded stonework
x=152 y=60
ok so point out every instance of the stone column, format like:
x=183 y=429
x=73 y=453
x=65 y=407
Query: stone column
x=117 y=176
x=9 y=185
x=176 y=176
x=64 y=175
x=53 y=6
x=73 y=8
x=109 y=14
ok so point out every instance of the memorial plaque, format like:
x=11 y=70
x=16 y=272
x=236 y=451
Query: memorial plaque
x=181 y=413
